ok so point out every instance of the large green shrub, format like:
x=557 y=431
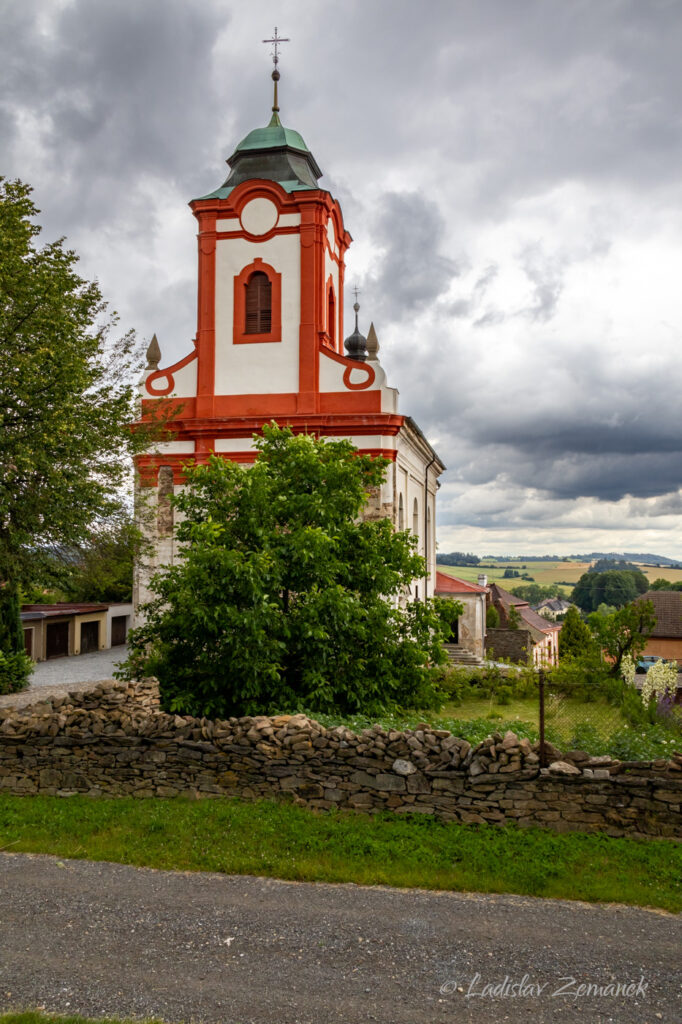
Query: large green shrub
x=15 y=670
x=284 y=596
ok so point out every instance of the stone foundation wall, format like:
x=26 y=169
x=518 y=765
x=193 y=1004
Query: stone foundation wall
x=114 y=741
x=511 y=644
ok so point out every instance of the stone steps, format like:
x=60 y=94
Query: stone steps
x=460 y=656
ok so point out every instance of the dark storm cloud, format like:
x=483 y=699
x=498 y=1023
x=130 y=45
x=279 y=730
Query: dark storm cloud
x=491 y=159
x=408 y=232
x=117 y=95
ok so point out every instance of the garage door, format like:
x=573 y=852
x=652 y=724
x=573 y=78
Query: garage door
x=57 y=642
x=89 y=637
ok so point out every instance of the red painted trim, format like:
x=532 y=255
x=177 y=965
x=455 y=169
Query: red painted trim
x=291 y=229
x=206 y=312
x=148 y=465
x=308 y=368
x=167 y=375
x=239 y=335
x=351 y=364
x=248 y=412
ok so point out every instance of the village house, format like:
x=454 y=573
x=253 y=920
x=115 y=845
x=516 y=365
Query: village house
x=467 y=645
x=531 y=629
x=666 y=638
x=269 y=346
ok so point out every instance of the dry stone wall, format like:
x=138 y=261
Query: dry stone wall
x=115 y=741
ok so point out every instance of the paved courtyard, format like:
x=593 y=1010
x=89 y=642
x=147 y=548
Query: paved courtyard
x=81 y=668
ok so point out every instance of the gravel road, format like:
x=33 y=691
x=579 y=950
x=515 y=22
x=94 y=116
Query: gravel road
x=108 y=939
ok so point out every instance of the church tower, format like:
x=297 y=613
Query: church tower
x=271 y=261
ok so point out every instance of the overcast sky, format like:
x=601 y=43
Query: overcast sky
x=509 y=171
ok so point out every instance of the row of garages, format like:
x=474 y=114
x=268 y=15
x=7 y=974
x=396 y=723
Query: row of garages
x=59 y=630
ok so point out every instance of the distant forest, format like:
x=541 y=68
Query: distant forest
x=462 y=558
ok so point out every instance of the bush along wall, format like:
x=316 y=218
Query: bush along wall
x=114 y=741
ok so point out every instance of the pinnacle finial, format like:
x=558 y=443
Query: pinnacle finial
x=153 y=354
x=276 y=41
x=372 y=342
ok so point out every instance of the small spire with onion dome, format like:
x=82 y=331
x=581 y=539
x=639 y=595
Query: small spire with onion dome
x=356 y=343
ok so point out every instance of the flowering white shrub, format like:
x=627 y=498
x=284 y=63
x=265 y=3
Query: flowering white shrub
x=627 y=669
x=659 y=680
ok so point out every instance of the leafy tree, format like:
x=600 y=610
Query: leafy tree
x=610 y=587
x=661 y=584
x=513 y=618
x=492 y=617
x=575 y=637
x=535 y=592
x=98 y=569
x=284 y=597
x=457 y=558
x=624 y=632
x=610 y=564
x=15 y=665
x=67 y=396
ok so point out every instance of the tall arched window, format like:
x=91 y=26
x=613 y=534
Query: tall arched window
x=401 y=514
x=415 y=518
x=331 y=317
x=258 y=304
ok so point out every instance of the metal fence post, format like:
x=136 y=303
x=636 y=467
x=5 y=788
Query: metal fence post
x=543 y=755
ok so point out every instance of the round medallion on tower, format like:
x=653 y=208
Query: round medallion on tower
x=259 y=216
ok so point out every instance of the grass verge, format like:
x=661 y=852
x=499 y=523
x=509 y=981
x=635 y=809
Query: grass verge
x=281 y=840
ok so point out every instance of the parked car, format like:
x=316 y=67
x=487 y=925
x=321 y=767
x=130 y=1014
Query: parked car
x=645 y=663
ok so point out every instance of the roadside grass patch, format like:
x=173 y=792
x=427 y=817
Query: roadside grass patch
x=280 y=840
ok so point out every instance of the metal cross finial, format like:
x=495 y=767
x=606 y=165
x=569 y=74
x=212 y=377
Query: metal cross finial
x=356 y=305
x=276 y=40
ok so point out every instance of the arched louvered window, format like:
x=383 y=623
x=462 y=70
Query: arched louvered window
x=258 y=306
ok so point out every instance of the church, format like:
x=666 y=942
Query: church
x=269 y=346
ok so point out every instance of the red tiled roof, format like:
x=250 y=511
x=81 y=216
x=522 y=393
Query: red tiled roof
x=538 y=622
x=668 y=610
x=63 y=608
x=446 y=584
x=498 y=593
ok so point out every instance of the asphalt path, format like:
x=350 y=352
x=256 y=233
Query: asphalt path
x=107 y=939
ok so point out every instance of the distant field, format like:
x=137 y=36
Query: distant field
x=543 y=573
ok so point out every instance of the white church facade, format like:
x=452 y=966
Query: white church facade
x=269 y=346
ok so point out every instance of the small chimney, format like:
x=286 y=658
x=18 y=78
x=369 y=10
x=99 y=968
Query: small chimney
x=482 y=580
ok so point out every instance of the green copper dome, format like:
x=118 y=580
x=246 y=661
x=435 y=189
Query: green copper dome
x=274 y=153
x=273 y=137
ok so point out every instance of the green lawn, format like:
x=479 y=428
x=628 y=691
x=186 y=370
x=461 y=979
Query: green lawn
x=280 y=840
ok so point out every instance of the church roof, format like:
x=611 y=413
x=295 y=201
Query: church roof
x=274 y=153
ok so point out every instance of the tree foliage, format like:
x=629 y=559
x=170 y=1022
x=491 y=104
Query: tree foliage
x=610 y=587
x=575 y=637
x=284 y=597
x=67 y=395
x=457 y=558
x=534 y=593
x=100 y=568
x=624 y=632
x=661 y=584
